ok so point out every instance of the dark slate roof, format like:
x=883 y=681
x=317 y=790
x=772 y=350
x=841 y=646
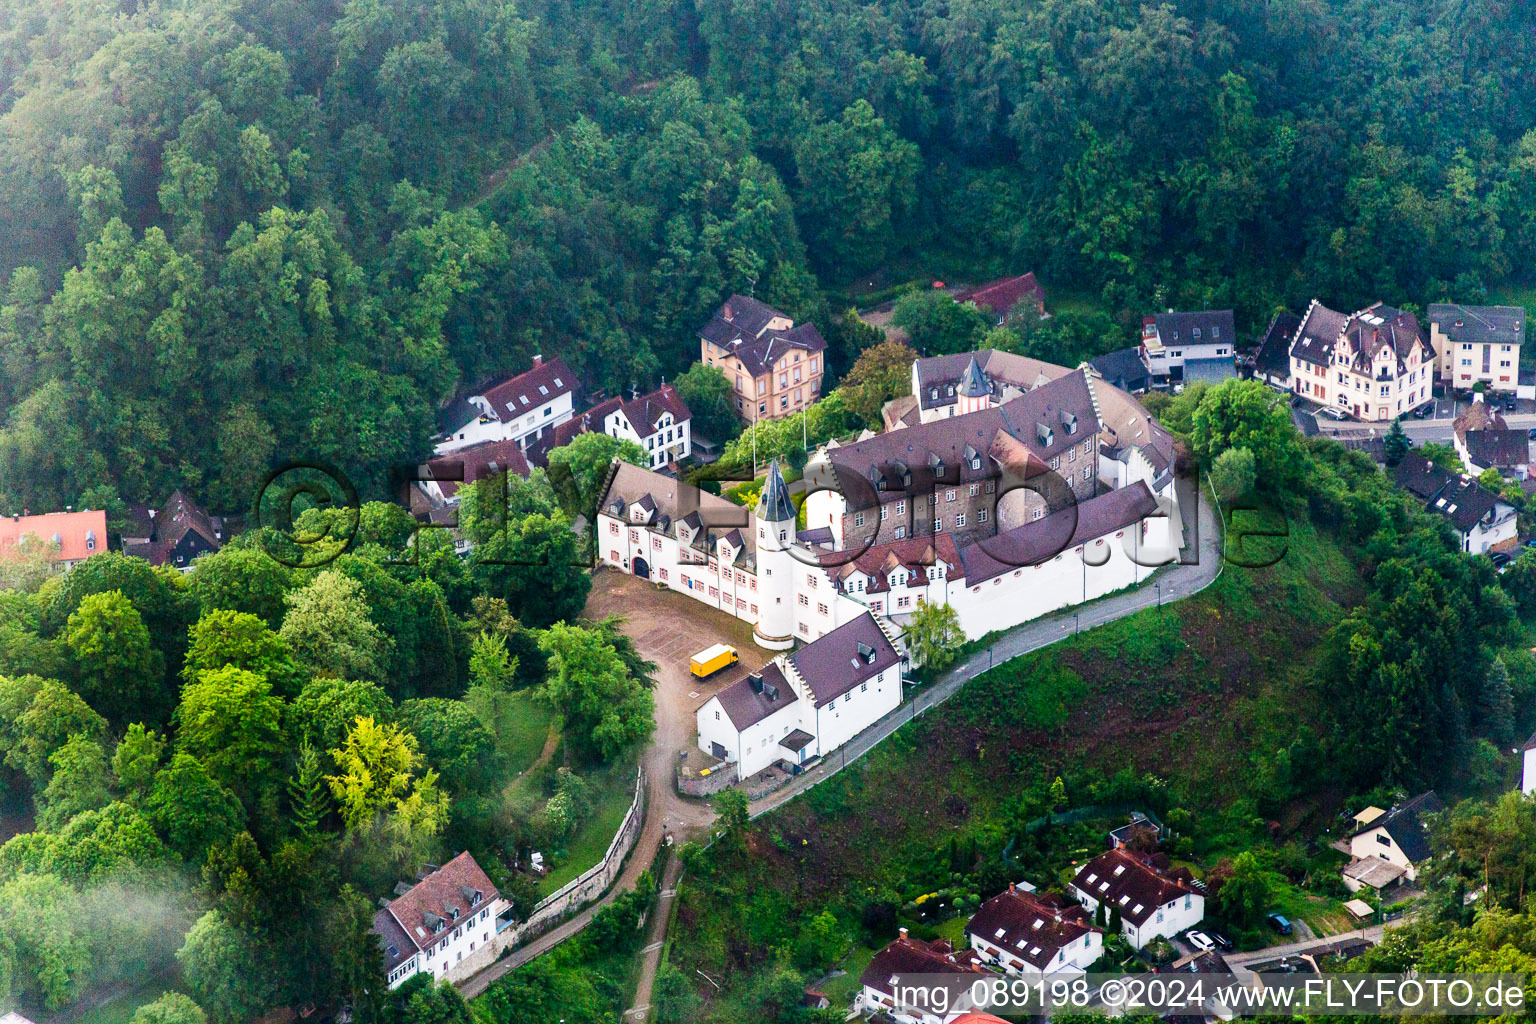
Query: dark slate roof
x=1124 y=369
x=950 y=439
x=1491 y=325
x=796 y=740
x=1120 y=878
x=740 y=326
x=1459 y=498
x=853 y=653
x=642 y=412
x=170 y=526
x=1032 y=927
x=1214 y=326
x=1273 y=357
x=1499 y=448
x=1404 y=823
x=973 y=382
x=515 y=396
x=1319 y=332
x=435 y=897
x=745 y=705
x=1042 y=539
x=676 y=502
x=1003 y=294
x=774 y=505
x=1378 y=327
x=1530 y=744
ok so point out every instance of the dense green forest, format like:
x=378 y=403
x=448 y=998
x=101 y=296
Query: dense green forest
x=233 y=231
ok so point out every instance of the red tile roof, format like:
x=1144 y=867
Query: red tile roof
x=1030 y=927
x=1121 y=879
x=515 y=396
x=78 y=534
x=416 y=913
x=907 y=956
x=1003 y=294
x=479 y=461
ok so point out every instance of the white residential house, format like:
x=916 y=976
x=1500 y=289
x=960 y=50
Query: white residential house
x=1483 y=521
x=523 y=408
x=804 y=705
x=1477 y=345
x=1483 y=441
x=659 y=422
x=443 y=925
x=895 y=981
x=1026 y=934
x=1400 y=837
x=1151 y=901
x=1202 y=345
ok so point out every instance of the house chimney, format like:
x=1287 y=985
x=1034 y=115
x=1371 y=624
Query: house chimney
x=1013 y=887
x=903 y=935
x=538 y=359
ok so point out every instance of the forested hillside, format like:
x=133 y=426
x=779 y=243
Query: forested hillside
x=233 y=230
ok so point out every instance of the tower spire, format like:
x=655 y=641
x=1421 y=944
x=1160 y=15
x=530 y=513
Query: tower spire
x=774 y=506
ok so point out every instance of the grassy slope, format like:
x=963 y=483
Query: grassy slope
x=613 y=790
x=1187 y=692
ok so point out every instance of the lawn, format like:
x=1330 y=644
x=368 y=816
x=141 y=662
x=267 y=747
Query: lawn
x=613 y=792
x=841 y=989
x=119 y=1006
x=523 y=725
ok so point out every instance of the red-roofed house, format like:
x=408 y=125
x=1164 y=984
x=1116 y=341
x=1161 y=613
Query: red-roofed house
x=658 y=422
x=443 y=925
x=75 y=536
x=1027 y=933
x=522 y=408
x=900 y=980
x=1007 y=297
x=1150 y=900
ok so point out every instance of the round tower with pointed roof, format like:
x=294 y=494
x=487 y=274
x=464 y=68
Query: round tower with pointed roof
x=775 y=533
x=975 y=391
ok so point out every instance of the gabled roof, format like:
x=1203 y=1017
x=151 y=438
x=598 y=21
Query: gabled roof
x=1318 y=333
x=478 y=462
x=1123 y=880
x=1032 y=542
x=1530 y=744
x=1004 y=293
x=1459 y=498
x=749 y=700
x=1203 y=327
x=170 y=525
x=1031 y=927
x=415 y=914
x=516 y=396
x=1003 y=369
x=1488 y=325
x=674 y=502
x=1273 y=357
x=1379 y=327
x=1479 y=416
x=77 y=534
x=1498 y=448
x=1123 y=368
x=1053 y=405
x=836 y=662
x=907 y=956
x=1405 y=824
x=745 y=327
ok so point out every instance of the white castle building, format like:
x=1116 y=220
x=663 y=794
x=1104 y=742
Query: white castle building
x=1028 y=496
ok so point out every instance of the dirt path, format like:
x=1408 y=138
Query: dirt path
x=668 y=629
x=655 y=941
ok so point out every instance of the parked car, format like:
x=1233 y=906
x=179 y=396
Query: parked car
x=1200 y=941
x=1334 y=413
x=1279 y=923
x=1532 y=434
x=1424 y=411
x=1221 y=940
x=1511 y=403
x=1499 y=558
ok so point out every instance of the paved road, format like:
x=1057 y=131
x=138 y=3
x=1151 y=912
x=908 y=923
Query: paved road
x=1171 y=584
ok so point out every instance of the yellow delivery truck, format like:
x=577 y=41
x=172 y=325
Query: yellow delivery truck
x=712 y=659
